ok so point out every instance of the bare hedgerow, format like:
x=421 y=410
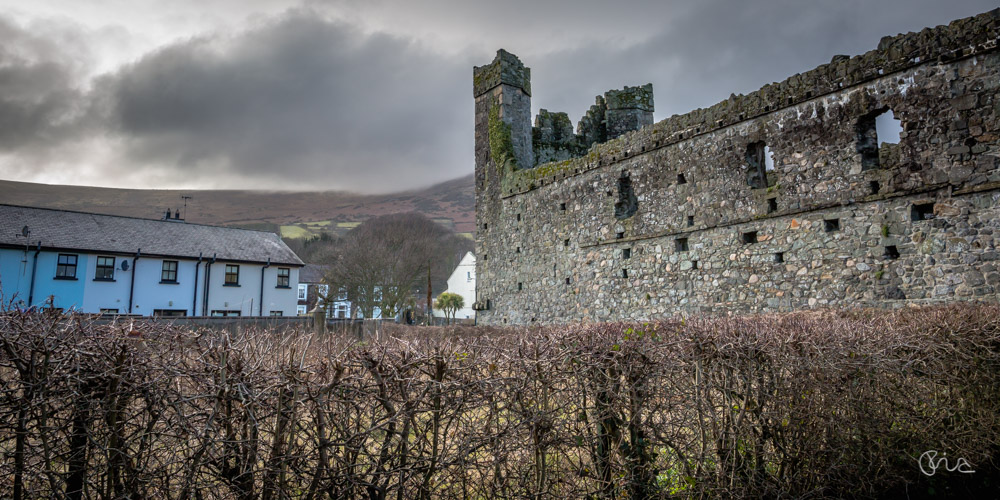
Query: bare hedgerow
x=819 y=404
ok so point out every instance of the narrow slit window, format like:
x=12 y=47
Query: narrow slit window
x=681 y=244
x=694 y=264
x=518 y=250
x=690 y=220
x=567 y=281
x=874 y=187
x=831 y=225
x=627 y=203
x=681 y=179
x=779 y=257
x=772 y=205
x=619 y=235
x=562 y=206
x=520 y=286
x=519 y=217
x=759 y=163
x=626 y=253
x=749 y=237
x=624 y=273
x=922 y=211
x=566 y=243
x=891 y=252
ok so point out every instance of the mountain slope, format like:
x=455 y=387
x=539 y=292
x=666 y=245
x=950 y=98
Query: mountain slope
x=452 y=200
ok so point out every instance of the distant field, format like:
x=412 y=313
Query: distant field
x=295 y=232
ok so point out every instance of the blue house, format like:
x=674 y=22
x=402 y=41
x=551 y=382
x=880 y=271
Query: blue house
x=96 y=263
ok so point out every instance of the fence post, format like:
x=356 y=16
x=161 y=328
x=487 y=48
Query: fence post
x=319 y=319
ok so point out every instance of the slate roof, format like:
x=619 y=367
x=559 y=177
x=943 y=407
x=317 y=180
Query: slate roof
x=312 y=273
x=68 y=230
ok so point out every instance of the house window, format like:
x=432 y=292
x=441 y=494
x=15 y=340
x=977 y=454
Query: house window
x=105 y=269
x=225 y=313
x=277 y=313
x=66 y=266
x=168 y=273
x=284 y=277
x=468 y=274
x=341 y=311
x=323 y=291
x=169 y=313
x=232 y=275
x=303 y=291
x=300 y=310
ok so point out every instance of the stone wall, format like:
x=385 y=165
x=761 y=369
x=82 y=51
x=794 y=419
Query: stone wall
x=680 y=217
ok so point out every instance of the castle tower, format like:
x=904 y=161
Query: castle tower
x=628 y=109
x=502 y=90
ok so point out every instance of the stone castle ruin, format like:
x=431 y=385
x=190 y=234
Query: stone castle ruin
x=873 y=180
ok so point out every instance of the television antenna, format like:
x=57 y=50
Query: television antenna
x=186 y=198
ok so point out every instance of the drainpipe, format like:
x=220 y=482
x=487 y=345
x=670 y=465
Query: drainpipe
x=131 y=286
x=262 y=286
x=208 y=279
x=34 y=267
x=194 y=299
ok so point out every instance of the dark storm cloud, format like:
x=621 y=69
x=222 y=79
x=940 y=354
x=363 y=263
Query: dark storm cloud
x=381 y=99
x=298 y=101
x=39 y=100
x=701 y=55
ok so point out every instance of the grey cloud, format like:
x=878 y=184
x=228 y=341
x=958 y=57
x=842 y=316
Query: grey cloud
x=703 y=54
x=298 y=102
x=39 y=97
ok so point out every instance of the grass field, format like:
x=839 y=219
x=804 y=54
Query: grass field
x=295 y=232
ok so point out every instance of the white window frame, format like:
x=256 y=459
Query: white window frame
x=303 y=291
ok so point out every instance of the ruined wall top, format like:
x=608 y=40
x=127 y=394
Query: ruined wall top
x=960 y=38
x=505 y=68
x=639 y=97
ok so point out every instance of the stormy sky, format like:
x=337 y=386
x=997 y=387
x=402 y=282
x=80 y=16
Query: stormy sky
x=369 y=95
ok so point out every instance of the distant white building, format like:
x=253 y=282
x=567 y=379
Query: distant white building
x=463 y=282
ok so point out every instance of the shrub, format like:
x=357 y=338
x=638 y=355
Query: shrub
x=826 y=404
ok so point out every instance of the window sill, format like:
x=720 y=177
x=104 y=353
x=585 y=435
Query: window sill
x=65 y=278
x=284 y=287
x=230 y=284
x=169 y=283
x=112 y=280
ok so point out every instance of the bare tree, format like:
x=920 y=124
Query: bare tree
x=381 y=263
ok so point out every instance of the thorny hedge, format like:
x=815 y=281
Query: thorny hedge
x=819 y=404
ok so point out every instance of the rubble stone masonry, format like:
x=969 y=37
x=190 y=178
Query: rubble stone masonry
x=684 y=215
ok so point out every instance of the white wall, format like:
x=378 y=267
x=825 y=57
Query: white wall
x=247 y=294
x=463 y=282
